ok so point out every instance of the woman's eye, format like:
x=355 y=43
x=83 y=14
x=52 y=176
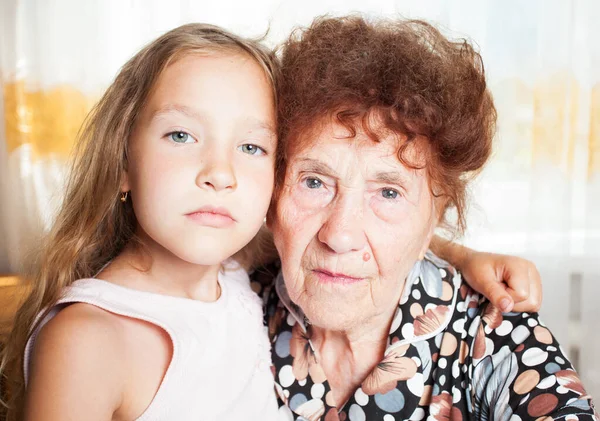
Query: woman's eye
x=251 y=149
x=181 y=137
x=389 y=193
x=313 y=183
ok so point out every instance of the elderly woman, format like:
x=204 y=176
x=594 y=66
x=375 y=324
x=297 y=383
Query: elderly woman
x=381 y=126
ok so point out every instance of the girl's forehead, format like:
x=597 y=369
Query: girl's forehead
x=207 y=84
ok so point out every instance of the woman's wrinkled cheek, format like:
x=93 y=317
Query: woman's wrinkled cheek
x=294 y=228
x=286 y=230
x=297 y=213
x=285 y=218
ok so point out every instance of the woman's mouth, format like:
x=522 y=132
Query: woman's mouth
x=327 y=277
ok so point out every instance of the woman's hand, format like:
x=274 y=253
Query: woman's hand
x=511 y=283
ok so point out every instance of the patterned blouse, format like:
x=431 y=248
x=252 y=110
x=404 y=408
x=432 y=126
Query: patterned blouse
x=450 y=356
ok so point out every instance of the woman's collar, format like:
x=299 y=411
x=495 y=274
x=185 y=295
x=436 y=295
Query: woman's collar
x=427 y=303
x=294 y=310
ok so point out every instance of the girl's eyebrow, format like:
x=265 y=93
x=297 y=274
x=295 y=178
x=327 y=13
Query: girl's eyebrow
x=177 y=108
x=251 y=123
x=254 y=124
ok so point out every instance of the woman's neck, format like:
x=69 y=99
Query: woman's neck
x=348 y=357
x=154 y=269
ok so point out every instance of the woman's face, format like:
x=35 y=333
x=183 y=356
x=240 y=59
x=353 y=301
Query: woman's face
x=351 y=221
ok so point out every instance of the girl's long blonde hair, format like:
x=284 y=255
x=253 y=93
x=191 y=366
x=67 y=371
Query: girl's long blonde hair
x=93 y=225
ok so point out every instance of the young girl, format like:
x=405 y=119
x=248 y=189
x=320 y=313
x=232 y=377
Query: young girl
x=174 y=175
x=137 y=310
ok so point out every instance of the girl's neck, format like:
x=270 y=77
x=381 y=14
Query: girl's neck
x=155 y=269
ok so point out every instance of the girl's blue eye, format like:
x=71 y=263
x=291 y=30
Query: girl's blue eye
x=313 y=183
x=251 y=149
x=181 y=137
x=389 y=193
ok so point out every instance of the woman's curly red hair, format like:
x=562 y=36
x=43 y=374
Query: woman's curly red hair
x=417 y=82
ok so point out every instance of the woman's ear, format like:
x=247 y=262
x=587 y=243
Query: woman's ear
x=433 y=222
x=427 y=242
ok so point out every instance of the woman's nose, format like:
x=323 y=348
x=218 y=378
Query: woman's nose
x=343 y=231
x=217 y=174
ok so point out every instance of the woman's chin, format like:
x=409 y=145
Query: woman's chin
x=334 y=315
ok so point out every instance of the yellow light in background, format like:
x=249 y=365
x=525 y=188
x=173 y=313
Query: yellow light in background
x=514 y=102
x=48 y=120
x=554 y=120
x=594 y=142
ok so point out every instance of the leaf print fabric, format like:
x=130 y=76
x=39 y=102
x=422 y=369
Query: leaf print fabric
x=430 y=321
x=451 y=355
x=305 y=362
x=523 y=373
x=395 y=366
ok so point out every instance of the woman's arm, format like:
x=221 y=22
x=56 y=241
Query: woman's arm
x=509 y=282
x=76 y=369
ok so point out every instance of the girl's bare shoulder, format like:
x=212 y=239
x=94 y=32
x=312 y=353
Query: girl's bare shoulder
x=78 y=352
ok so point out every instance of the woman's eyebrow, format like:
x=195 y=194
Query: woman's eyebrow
x=314 y=165
x=390 y=177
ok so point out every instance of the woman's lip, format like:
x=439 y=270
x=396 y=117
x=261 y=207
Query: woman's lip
x=327 y=277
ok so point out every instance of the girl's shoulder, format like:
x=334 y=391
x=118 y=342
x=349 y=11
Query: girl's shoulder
x=79 y=334
x=79 y=352
x=116 y=359
x=85 y=322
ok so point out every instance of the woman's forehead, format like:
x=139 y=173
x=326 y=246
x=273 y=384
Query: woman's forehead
x=331 y=140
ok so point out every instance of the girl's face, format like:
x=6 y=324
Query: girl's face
x=201 y=157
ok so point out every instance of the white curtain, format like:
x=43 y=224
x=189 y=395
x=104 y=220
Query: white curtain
x=538 y=197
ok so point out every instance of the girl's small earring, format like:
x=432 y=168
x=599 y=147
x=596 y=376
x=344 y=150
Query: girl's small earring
x=124 y=196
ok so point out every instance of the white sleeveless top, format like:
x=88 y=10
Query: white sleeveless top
x=221 y=355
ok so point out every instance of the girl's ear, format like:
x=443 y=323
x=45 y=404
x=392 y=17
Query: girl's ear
x=125 y=182
x=270 y=217
x=268 y=221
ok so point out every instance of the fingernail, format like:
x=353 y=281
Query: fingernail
x=505 y=304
